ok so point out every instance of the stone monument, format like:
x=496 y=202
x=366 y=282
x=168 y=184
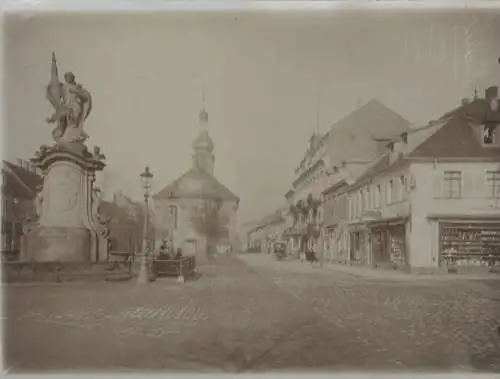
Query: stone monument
x=67 y=226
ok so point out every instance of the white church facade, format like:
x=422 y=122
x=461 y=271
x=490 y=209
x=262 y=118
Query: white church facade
x=196 y=212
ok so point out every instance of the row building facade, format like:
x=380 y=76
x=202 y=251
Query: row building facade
x=376 y=191
x=431 y=199
x=333 y=160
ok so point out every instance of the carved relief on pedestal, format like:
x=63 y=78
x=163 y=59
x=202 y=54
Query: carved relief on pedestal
x=60 y=197
x=98 y=221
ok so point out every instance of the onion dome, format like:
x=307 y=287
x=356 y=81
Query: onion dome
x=203 y=142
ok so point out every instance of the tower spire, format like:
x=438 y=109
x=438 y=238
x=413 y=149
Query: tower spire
x=317 y=112
x=203 y=113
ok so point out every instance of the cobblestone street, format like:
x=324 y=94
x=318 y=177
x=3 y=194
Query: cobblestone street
x=250 y=314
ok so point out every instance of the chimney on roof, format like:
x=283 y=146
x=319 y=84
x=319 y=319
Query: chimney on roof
x=465 y=101
x=491 y=93
x=491 y=96
x=404 y=137
x=390 y=146
x=20 y=162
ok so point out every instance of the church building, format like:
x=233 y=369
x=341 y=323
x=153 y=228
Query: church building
x=196 y=212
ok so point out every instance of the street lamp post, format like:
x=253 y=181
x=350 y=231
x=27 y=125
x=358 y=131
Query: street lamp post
x=15 y=217
x=144 y=272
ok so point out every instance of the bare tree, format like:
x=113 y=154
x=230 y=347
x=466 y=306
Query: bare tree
x=206 y=221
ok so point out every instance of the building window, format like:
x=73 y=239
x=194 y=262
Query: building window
x=489 y=135
x=402 y=187
x=172 y=214
x=378 y=196
x=354 y=207
x=452 y=184
x=493 y=182
x=390 y=191
x=360 y=203
x=367 y=198
x=350 y=208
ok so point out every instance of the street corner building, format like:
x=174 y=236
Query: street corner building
x=428 y=201
x=196 y=212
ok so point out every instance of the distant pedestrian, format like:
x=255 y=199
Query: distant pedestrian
x=178 y=256
x=164 y=251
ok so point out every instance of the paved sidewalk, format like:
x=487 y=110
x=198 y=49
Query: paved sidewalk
x=269 y=261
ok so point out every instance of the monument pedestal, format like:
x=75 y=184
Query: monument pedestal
x=60 y=244
x=68 y=228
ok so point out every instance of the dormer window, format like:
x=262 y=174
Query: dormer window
x=489 y=135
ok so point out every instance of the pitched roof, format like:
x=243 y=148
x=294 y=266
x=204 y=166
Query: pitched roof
x=451 y=136
x=354 y=136
x=113 y=210
x=17 y=181
x=196 y=183
x=389 y=158
x=379 y=164
x=456 y=139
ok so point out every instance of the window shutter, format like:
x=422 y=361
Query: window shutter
x=436 y=184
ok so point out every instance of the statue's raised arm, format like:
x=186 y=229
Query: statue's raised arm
x=86 y=99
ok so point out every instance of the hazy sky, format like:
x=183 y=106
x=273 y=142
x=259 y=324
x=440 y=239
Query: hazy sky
x=262 y=73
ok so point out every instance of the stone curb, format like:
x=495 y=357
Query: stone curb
x=374 y=274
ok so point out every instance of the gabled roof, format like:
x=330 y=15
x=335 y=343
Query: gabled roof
x=373 y=118
x=196 y=183
x=379 y=164
x=451 y=136
x=388 y=158
x=456 y=139
x=19 y=182
x=354 y=136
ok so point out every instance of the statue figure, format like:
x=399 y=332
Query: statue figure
x=39 y=202
x=72 y=105
x=96 y=203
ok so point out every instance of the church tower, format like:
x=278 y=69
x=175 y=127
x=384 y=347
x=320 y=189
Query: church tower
x=203 y=146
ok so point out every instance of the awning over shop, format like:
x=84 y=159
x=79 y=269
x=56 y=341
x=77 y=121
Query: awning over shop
x=396 y=221
x=371 y=224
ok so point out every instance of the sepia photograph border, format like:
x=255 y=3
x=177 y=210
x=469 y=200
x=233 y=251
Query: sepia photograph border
x=33 y=7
